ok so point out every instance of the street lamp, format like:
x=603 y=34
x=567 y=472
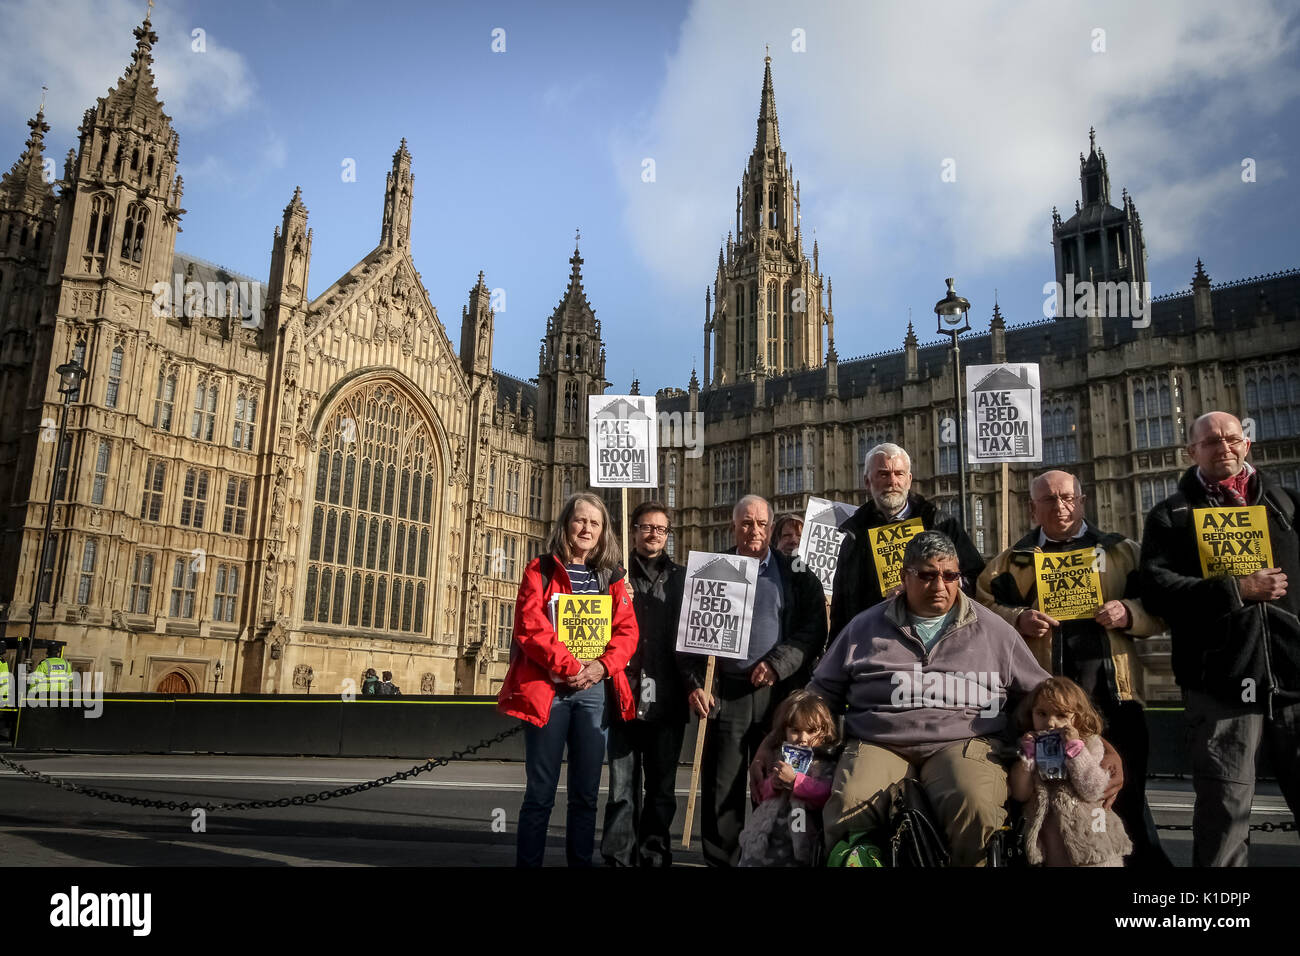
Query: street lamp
x=953 y=318
x=70 y=376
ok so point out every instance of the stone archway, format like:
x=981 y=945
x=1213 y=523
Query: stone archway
x=174 y=682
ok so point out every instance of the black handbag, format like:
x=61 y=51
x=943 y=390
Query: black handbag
x=911 y=838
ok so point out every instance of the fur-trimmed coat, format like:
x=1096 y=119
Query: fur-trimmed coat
x=769 y=838
x=1085 y=838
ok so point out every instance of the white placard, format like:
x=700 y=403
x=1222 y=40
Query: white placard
x=1003 y=413
x=718 y=605
x=819 y=545
x=624 y=441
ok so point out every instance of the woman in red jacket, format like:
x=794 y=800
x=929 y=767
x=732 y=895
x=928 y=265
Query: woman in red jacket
x=563 y=699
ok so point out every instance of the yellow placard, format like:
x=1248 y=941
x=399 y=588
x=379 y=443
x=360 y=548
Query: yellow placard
x=1232 y=540
x=888 y=542
x=583 y=623
x=1069 y=584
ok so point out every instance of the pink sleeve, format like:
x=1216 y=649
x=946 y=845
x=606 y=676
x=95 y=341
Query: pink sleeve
x=765 y=790
x=813 y=791
x=1073 y=748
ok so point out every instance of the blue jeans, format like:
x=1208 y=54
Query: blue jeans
x=578 y=720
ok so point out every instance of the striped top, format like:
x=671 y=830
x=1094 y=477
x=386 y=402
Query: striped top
x=581 y=580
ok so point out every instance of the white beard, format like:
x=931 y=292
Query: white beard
x=891 y=502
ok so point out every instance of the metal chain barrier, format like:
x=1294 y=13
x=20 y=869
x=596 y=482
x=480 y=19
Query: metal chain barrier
x=298 y=801
x=1286 y=826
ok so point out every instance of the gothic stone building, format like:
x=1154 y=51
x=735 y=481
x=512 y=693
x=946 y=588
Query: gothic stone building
x=1117 y=398
x=294 y=489
x=297 y=489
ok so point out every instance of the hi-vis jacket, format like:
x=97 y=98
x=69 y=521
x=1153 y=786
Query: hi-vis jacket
x=537 y=654
x=1008 y=586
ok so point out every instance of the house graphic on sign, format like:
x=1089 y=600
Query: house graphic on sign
x=834 y=516
x=1015 y=383
x=621 y=410
x=738 y=585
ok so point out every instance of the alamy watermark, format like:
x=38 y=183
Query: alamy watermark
x=948 y=689
x=25 y=688
x=1111 y=300
x=236 y=298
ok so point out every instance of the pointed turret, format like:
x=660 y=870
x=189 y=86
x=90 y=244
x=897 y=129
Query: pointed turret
x=396 y=232
x=572 y=363
x=767 y=316
x=997 y=334
x=121 y=210
x=769 y=133
x=910 y=353
x=1100 y=239
x=290 y=262
x=27 y=223
x=1202 y=305
x=476 y=332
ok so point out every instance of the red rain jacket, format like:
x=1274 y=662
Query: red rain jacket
x=536 y=652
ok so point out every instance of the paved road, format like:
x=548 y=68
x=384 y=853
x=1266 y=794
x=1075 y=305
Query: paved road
x=442 y=818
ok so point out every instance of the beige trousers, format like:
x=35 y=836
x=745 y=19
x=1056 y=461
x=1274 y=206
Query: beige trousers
x=967 y=788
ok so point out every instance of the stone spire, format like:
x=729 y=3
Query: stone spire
x=396 y=233
x=24 y=186
x=769 y=134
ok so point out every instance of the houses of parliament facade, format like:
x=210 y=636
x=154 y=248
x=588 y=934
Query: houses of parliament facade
x=262 y=492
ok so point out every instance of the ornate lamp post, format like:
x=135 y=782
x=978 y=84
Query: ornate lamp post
x=70 y=375
x=953 y=318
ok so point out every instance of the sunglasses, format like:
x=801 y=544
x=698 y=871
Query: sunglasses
x=928 y=577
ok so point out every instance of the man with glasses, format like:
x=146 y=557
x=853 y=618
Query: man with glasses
x=1098 y=654
x=787 y=634
x=887 y=475
x=1236 y=638
x=644 y=753
x=923 y=680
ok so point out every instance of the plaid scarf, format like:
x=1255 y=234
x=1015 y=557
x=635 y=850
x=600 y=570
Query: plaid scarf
x=1230 y=491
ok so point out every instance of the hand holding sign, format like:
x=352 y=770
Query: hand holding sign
x=1033 y=623
x=1267 y=584
x=1113 y=615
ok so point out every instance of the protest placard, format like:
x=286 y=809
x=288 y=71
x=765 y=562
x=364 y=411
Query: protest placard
x=1003 y=420
x=623 y=435
x=1069 y=584
x=583 y=623
x=819 y=545
x=888 y=542
x=718 y=606
x=1232 y=540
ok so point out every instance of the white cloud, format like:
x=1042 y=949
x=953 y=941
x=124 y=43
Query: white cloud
x=81 y=49
x=885 y=92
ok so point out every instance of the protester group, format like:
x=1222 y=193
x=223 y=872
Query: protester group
x=954 y=678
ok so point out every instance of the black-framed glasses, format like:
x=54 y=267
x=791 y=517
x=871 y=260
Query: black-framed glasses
x=929 y=577
x=1068 y=500
x=657 y=530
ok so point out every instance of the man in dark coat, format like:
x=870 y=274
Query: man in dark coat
x=644 y=753
x=887 y=474
x=1236 y=636
x=788 y=634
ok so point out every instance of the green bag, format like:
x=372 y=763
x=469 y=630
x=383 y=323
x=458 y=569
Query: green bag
x=855 y=851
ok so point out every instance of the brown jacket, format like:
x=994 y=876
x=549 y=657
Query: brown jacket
x=1007 y=587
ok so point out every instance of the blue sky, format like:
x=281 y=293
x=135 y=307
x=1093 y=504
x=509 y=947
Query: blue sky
x=513 y=150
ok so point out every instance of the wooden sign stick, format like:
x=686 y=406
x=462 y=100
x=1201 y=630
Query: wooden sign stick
x=627 y=534
x=699 y=756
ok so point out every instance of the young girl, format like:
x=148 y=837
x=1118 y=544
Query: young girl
x=1066 y=824
x=772 y=837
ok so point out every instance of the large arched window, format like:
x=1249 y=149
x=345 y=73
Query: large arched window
x=371 y=528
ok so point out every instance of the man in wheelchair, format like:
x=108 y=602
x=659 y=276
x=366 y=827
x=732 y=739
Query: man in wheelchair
x=924 y=682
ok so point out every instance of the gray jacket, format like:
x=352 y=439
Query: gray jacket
x=916 y=702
